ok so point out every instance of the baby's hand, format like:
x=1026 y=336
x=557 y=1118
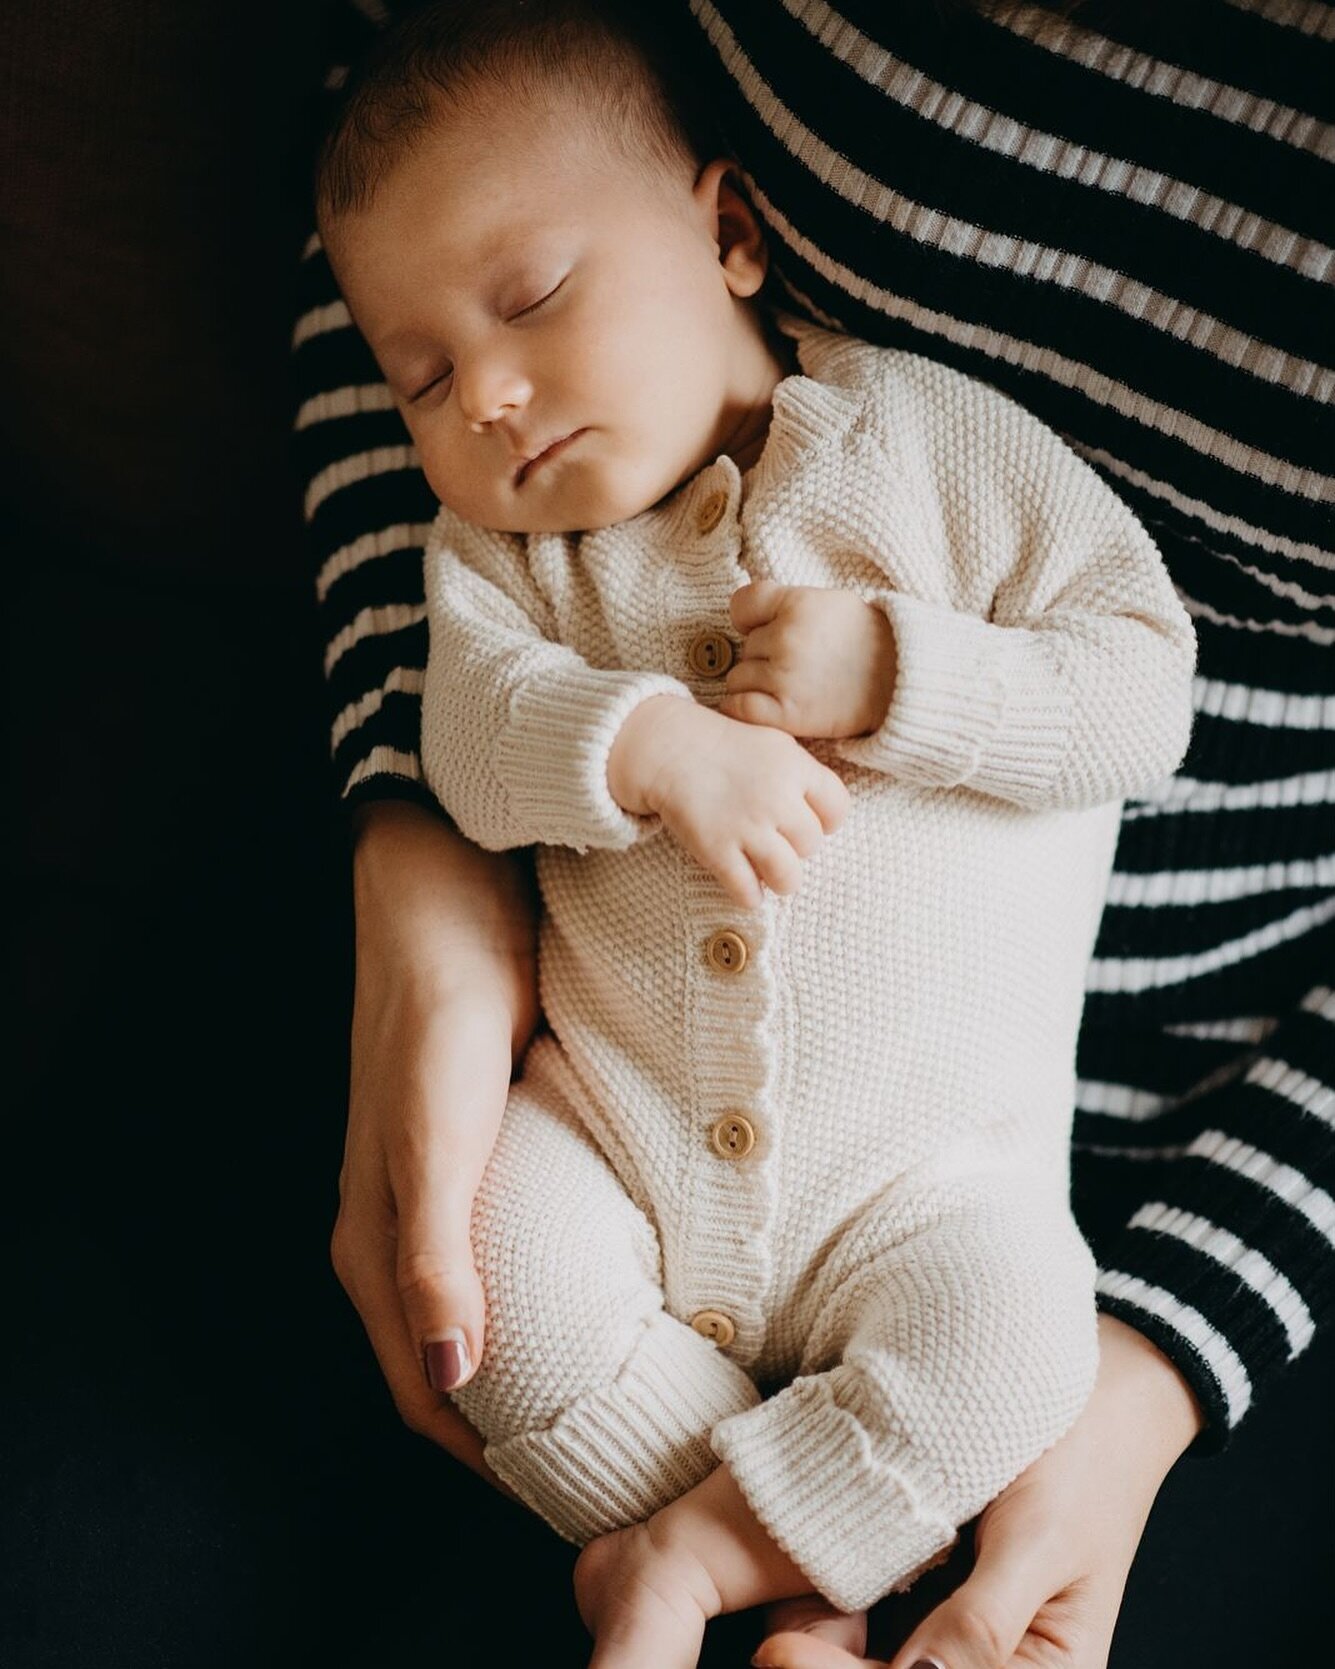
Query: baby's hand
x=814 y=662
x=748 y=804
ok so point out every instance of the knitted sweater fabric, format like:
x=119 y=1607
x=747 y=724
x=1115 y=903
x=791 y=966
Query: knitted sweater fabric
x=900 y=1038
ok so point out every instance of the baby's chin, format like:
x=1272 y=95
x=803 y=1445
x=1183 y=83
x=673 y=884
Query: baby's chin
x=581 y=501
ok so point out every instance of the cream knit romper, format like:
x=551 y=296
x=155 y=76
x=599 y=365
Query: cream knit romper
x=818 y=1149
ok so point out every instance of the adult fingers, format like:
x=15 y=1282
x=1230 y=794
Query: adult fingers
x=754 y=604
x=983 y=1622
x=370 y=1283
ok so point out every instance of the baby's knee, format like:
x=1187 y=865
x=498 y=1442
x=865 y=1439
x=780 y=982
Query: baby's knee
x=570 y=1280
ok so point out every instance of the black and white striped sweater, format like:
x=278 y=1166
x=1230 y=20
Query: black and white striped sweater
x=1126 y=223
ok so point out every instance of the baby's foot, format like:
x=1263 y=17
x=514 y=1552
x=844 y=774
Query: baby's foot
x=644 y=1600
x=809 y=1633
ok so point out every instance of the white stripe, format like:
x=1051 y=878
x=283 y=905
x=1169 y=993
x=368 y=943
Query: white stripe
x=1049 y=154
x=345 y=402
x=312 y=246
x=1273 y=708
x=333 y=315
x=1057 y=368
x=387 y=761
x=1241 y=1029
x=1181 y=86
x=1261 y=537
x=386 y=540
x=1045 y=265
x=1305 y=1092
x=1139 y=973
x=1178 y=794
x=1283 y=1181
x=372 y=622
x=1310 y=19
x=1321 y=1001
x=361 y=466
x=1120 y=1100
x=1246 y=1263
x=1223 y=1361
x=1307 y=629
x=403 y=680
x=1217 y=886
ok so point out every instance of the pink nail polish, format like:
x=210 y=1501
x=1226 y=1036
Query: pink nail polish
x=447 y=1360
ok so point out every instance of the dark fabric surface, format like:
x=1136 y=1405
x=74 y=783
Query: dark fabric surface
x=201 y=1466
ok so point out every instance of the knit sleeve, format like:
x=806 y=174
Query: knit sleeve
x=1064 y=680
x=516 y=727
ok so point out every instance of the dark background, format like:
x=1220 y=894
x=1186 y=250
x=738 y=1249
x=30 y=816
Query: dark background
x=201 y=1466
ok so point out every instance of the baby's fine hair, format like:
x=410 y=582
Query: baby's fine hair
x=620 y=65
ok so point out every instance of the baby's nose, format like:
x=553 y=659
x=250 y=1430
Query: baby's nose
x=488 y=395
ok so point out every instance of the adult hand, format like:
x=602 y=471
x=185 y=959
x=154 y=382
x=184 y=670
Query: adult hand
x=1052 y=1552
x=445 y=999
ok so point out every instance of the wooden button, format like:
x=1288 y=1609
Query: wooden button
x=725 y=951
x=710 y=513
x=713 y=1324
x=710 y=655
x=733 y=1136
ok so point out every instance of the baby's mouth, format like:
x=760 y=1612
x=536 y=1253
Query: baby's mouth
x=552 y=449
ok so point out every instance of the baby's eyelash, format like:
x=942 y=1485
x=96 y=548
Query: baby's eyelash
x=522 y=313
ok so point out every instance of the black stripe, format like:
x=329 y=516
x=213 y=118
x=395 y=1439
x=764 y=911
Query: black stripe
x=1234 y=655
x=369 y=662
x=1206 y=576
x=379 y=582
x=1153 y=1060
x=396 y=724
x=1233 y=751
x=384 y=500
x=1173 y=528
x=1225 y=839
x=1226 y=44
x=334 y=359
x=322 y=444
x=1307 y=1042
x=1180 y=929
x=1277 y=978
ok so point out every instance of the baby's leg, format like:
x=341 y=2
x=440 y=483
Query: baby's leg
x=595 y=1404
x=949 y=1339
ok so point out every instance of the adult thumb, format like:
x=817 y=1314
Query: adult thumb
x=986 y=1618
x=440 y=1291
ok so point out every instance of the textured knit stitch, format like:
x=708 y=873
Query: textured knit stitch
x=902 y=1035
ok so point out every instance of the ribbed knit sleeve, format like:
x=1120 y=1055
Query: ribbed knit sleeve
x=517 y=728
x=1075 y=687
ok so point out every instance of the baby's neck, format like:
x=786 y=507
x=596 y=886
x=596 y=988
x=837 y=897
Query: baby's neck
x=773 y=357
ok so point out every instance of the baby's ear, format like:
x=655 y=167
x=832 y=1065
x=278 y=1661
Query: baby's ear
x=737 y=230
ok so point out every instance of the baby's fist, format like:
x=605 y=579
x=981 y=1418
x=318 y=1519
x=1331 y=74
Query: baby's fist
x=814 y=662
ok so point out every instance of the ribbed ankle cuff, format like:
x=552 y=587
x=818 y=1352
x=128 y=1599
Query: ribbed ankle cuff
x=616 y=1456
x=852 y=1522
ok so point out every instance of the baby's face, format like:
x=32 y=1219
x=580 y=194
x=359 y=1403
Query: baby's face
x=556 y=321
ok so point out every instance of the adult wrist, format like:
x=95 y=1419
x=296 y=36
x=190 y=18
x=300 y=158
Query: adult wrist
x=1156 y=1394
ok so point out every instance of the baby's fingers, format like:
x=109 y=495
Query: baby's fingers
x=738 y=879
x=776 y=863
x=828 y=798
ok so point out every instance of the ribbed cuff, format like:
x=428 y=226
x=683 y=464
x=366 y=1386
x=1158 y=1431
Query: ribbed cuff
x=975 y=705
x=552 y=755
x=854 y=1524
x=618 y=1455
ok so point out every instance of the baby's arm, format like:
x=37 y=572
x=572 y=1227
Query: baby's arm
x=524 y=742
x=516 y=727
x=1067 y=684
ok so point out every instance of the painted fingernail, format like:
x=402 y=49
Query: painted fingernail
x=929 y=1663
x=447 y=1360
